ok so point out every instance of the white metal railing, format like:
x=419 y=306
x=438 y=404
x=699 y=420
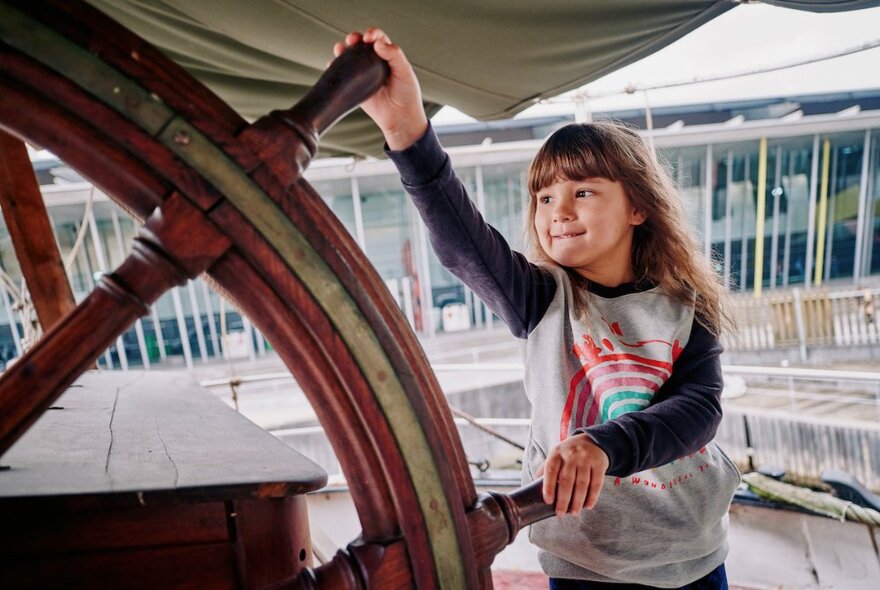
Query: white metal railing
x=799 y=373
x=794 y=372
x=753 y=437
x=475 y=352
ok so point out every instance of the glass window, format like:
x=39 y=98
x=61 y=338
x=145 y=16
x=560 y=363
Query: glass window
x=786 y=211
x=843 y=205
x=506 y=197
x=391 y=241
x=386 y=224
x=728 y=199
x=790 y=197
x=872 y=241
x=687 y=166
x=115 y=247
x=337 y=194
x=735 y=204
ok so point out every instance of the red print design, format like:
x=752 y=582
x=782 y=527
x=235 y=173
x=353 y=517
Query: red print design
x=613 y=381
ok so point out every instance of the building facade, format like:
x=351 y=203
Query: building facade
x=782 y=193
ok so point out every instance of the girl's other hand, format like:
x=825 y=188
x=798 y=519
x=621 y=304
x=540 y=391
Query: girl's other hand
x=397 y=107
x=573 y=474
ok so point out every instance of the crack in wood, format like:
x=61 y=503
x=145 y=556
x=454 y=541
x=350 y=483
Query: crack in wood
x=167 y=454
x=112 y=415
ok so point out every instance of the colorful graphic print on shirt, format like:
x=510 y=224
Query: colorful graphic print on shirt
x=615 y=378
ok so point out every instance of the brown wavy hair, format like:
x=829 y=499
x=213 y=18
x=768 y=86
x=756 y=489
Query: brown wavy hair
x=665 y=252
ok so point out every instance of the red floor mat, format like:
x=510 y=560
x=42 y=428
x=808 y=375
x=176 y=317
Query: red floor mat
x=512 y=580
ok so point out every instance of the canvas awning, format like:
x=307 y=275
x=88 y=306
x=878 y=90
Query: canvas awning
x=489 y=59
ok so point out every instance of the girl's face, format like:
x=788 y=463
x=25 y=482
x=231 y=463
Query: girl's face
x=588 y=225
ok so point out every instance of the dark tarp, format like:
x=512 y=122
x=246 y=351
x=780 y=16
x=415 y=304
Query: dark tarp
x=489 y=59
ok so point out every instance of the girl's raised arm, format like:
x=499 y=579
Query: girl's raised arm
x=397 y=107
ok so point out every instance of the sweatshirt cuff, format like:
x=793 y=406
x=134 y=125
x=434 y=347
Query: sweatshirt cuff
x=421 y=162
x=605 y=438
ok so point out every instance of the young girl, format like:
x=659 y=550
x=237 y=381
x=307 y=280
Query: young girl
x=620 y=314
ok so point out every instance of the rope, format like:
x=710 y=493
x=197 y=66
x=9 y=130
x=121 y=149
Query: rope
x=632 y=88
x=31 y=330
x=233 y=382
x=81 y=235
x=21 y=303
x=484 y=428
x=816 y=502
x=21 y=299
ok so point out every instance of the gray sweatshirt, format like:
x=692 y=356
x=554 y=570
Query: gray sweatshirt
x=663 y=526
x=661 y=519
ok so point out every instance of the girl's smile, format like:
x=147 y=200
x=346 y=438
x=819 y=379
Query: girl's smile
x=587 y=225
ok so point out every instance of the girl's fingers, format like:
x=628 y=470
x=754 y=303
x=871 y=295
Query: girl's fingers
x=381 y=44
x=579 y=495
x=352 y=38
x=384 y=47
x=596 y=481
x=374 y=34
x=564 y=487
x=389 y=52
x=551 y=471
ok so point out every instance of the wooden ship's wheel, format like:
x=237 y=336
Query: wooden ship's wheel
x=226 y=198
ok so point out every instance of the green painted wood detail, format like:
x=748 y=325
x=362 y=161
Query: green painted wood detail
x=145 y=109
x=84 y=68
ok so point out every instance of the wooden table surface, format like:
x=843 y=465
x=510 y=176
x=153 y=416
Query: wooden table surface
x=146 y=435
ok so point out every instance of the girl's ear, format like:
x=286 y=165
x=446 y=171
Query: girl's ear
x=637 y=217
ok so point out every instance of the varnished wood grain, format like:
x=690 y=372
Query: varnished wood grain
x=96 y=126
x=31 y=232
x=91 y=151
x=89 y=28
x=271 y=539
x=360 y=566
x=142 y=480
x=53 y=528
x=188 y=567
x=315 y=360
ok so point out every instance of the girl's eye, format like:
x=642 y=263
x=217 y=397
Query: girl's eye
x=544 y=200
x=582 y=194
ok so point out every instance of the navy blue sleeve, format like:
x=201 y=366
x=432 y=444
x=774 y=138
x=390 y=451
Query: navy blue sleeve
x=682 y=418
x=516 y=290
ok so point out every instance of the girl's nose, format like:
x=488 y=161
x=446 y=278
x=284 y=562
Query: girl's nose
x=562 y=212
